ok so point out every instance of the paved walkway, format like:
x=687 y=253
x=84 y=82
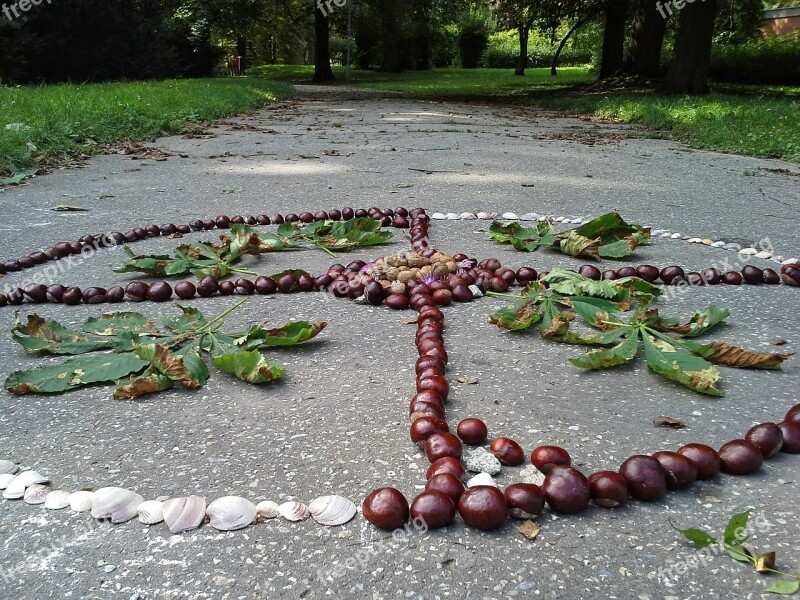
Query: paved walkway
x=338 y=423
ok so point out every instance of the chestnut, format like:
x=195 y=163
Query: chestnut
x=752 y=275
x=386 y=508
x=184 y=229
x=96 y=295
x=610 y=275
x=160 y=291
x=442 y=297
x=396 y=301
x=446 y=483
x=648 y=272
x=115 y=294
x=277 y=220
x=56 y=291
x=524 y=500
x=767 y=437
x=791 y=437
x=286 y=283
x=627 y=272
x=185 y=290
x=226 y=288
x=694 y=278
x=705 y=457
x=771 y=277
x=435 y=509
x=732 y=278
x=507 y=451
x=525 y=275
x=446 y=464
x=590 y=272
x=71 y=296
x=424 y=427
x=645 y=477
x=790 y=274
x=208 y=287
x=472 y=431
x=681 y=471
x=335 y=215
x=37 y=292
x=461 y=293
x=483 y=507
x=545 y=458
x=136 y=291
x=436 y=384
x=223 y=222
x=608 y=488
x=442 y=444
x=793 y=415
x=321 y=216
x=566 y=490
x=711 y=276
x=740 y=457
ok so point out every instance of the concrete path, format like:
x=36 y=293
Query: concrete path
x=338 y=422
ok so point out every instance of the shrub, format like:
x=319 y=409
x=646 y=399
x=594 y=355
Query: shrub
x=473 y=37
x=772 y=60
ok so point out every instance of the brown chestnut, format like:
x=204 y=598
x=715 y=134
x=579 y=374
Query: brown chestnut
x=386 y=508
x=752 y=275
x=424 y=427
x=609 y=489
x=771 y=277
x=732 y=278
x=524 y=500
x=566 y=490
x=791 y=437
x=545 y=458
x=590 y=272
x=434 y=508
x=681 y=471
x=705 y=457
x=136 y=291
x=648 y=272
x=208 y=286
x=645 y=477
x=767 y=437
x=740 y=457
x=790 y=274
x=672 y=273
x=185 y=290
x=448 y=484
x=436 y=384
x=472 y=431
x=793 y=415
x=396 y=301
x=483 y=507
x=446 y=464
x=507 y=451
x=442 y=444
x=160 y=291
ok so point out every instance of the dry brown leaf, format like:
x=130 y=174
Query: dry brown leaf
x=466 y=379
x=668 y=422
x=529 y=529
x=733 y=356
x=408 y=321
x=778 y=341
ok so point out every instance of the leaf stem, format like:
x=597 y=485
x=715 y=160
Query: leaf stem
x=613 y=323
x=222 y=315
x=501 y=295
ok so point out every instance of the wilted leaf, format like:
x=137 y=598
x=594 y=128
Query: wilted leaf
x=74 y=373
x=149 y=382
x=785 y=587
x=766 y=563
x=700 y=322
x=467 y=380
x=295 y=332
x=668 y=422
x=249 y=366
x=778 y=341
x=681 y=367
x=529 y=529
x=68 y=208
x=733 y=356
x=45 y=335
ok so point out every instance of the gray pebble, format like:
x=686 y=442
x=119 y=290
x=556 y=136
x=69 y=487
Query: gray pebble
x=481 y=460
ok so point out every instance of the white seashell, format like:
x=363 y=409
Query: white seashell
x=332 y=510
x=764 y=254
x=115 y=503
x=183 y=514
x=791 y=261
x=718 y=244
x=576 y=221
x=37 y=493
x=748 y=251
x=57 y=499
x=150 y=512
x=438 y=216
x=294 y=511
x=6 y=479
x=695 y=240
x=528 y=217
x=6 y=466
x=510 y=216
x=267 y=510
x=467 y=216
x=81 y=501
x=452 y=216
x=543 y=218
x=485 y=215
x=676 y=236
x=666 y=235
x=230 y=513
x=481 y=479
x=16 y=489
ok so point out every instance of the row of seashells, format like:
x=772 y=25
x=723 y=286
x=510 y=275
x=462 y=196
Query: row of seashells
x=120 y=505
x=663 y=233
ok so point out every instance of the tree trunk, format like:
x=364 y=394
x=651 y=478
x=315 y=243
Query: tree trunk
x=563 y=43
x=647 y=39
x=523 y=50
x=688 y=71
x=241 y=52
x=390 y=37
x=613 y=37
x=322 y=47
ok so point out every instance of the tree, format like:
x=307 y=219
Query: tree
x=322 y=45
x=611 y=61
x=647 y=40
x=688 y=71
x=519 y=15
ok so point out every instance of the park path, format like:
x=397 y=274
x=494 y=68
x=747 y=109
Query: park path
x=338 y=423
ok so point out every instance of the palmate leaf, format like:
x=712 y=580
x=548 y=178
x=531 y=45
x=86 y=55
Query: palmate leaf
x=344 y=235
x=682 y=367
x=522 y=238
x=249 y=366
x=292 y=333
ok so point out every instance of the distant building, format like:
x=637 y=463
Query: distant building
x=782 y=21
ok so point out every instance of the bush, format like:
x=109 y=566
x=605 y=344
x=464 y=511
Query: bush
x=772 y=60
x=504 y=54
x=473 y=37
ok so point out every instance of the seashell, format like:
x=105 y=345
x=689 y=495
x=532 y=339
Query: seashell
x=481 y=479
x=676 y=236
x=706 y=241
x=230 y=513
x=6 y=479
x=81 y=501
x=485 y=215
x=510 y=216
x=115 y=503
x=718 y=244
x=576 y=221
x=528 y=217
x=294 y=511
x=16 y=489
x=748 y=251
x=8 y=467
x=183 y=514
x=332 y=510
x=37 y=493
x=438 y=215
x=267 y=510
x=764 y=254
x=150 y=512
x=57 y=499
x=467 y=216
x=791 y=261
x=452 y=216
x=666 y=235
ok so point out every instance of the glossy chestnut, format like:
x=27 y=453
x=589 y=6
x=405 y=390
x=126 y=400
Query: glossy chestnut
x=483 y=507
x=442 y=444
x=681 y=471
x=740 y=457
x=507 y=451
x=446 y=483
x=434 y=508
x=645 y=477
x=545 y=458
x=566 y=490
x=386 y=508
x=446 y=464
x=767 y=437
x=424 y=427
x=705 y=457
x=524 y=500
x=472 y=431
x=791 y=437
x=608 y=488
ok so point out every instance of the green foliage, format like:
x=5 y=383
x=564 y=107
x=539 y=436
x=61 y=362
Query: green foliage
x=140 y=360
x=473 y=37
x=53 y=121
x=773 y=60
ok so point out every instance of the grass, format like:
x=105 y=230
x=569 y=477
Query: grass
x=46 y=124
x=753 y=120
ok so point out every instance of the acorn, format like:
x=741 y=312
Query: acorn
x=767 y=437
x=645 y=477
x=608 y=488
x=740 y=457
x=681 y=471
x=472 y=431
x=386 y=508
x=566 y=490
x=524 y=500
x=705 y=457
x=483 y=507
x=434 y=508
x=545 y=458
x=507 y=451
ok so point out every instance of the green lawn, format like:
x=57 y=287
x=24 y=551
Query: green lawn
x=42 y=125
x=754 y=120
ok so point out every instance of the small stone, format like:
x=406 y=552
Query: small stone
x=438 y=216
x=476 y=291
x=764 y=254
x=467 y=216
x=452 y=216
x=8 y=467
x=109 y=568
x=718 y=244
x=480 y=460
x=486 y=215
x=666 y=235
x=531 y=474
x=576 y=221
x=529 y=217
x=510 y=216
x=676 y=236
x=694 y=240
x=748 y=251
x=707 y=241
x=481 y=479
x=733 y=246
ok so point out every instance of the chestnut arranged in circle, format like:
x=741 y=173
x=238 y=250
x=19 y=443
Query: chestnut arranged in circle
x=507 y=451
x=566 y=490
x=524 y=500
x=386 y=508
x=545 y=458
x=472 y=431
x=645 y=477
x=740 y=457
x=434 y=508
x=483 y=507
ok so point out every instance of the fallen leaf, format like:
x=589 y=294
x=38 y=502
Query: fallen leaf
x=529 y=529
x=732 y=356
x=778 y=341
x=668 y=422
x=466 y=379
x=765 y=563
x=67 y=208
x=408 y=321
